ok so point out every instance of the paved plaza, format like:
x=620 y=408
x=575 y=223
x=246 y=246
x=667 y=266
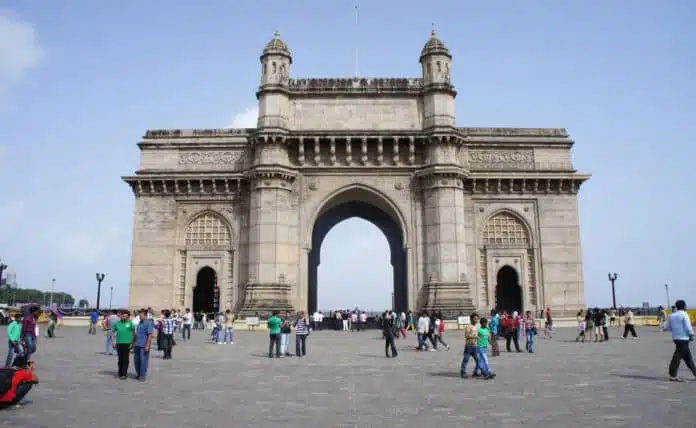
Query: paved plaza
x=345 y=381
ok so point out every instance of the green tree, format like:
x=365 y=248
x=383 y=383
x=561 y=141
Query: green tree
x=28 y=295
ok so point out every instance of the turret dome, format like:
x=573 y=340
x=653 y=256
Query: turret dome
x=434 y=46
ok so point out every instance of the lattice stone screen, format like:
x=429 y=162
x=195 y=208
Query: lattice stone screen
x=504 y=229
x=207 y=229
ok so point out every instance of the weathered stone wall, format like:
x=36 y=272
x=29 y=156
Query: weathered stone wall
x=153 y=252
x=561 y=252
x=353 y=113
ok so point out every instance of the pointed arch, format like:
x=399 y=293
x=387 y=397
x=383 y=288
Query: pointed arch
x=505 y=228
x=208 y=228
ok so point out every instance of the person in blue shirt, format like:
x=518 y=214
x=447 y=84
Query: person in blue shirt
x=493 y=326
x=93 y=319
x=141 y=345
x=682 y=333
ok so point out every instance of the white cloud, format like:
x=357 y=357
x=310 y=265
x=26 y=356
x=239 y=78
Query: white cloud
x=246 y=119
x=20 y=50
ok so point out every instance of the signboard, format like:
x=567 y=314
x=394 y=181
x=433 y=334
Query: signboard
x=252 y=322
x=463 y=320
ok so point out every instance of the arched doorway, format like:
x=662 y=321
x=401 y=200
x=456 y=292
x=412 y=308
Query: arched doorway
x=508 y=293
x=386 y=223
x=206 y=294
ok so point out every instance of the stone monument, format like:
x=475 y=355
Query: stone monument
x=476 y=218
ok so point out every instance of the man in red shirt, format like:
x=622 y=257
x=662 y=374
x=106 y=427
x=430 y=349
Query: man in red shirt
x=29 y=331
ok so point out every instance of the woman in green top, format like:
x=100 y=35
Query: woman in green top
x=14 y=339
x=273 y=324
x=123 y=333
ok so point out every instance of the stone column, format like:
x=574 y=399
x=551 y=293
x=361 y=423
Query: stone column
x=273 y=252
x=446 y=287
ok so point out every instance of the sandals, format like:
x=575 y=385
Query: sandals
x=676 y=379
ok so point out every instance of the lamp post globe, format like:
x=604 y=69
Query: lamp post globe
x=100 y=279
x=612 y=279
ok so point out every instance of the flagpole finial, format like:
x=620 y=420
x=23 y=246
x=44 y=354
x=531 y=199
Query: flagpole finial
x=276 y=34
x=433 y=30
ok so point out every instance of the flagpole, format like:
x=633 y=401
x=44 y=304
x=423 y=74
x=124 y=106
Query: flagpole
x=357 y=35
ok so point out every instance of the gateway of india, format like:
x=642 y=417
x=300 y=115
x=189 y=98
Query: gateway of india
x=476 y=218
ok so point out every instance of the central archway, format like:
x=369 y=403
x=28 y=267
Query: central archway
x=364 y=204
x=206 y=294
x=508 y=293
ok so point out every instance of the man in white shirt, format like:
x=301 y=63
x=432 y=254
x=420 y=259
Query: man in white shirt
x=422 y=329
x=679 y=325
x=318 y=319
x=187 y=323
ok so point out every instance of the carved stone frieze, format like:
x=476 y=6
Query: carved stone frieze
x=501 y=159
x=210 y=159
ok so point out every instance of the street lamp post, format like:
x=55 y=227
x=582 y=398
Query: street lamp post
x=53 y=287
x=669 y=302
x=100 y=279
x=111 y=295
x=612 y=278
x=3 y=266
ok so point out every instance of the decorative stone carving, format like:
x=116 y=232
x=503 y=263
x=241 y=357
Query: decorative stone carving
x=501 y=159
x=209 y=158
x=187 y=133
x=361 y=85
x=312 y=186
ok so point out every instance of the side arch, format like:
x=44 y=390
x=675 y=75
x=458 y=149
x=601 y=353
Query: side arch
x=506 y=212
x=208 y=228
x=356 y=192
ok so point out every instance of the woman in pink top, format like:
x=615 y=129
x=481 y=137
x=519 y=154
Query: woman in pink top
x=530 y=330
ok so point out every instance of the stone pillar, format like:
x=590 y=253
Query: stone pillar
x=446 y=288
x=272 y=228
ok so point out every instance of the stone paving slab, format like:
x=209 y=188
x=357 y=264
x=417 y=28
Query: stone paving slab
x=345 y=381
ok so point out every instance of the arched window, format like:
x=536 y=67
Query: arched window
x=208 y=229
x=506 y=230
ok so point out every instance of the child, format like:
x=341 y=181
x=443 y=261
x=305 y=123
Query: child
x=581 y=329
x=484 y=335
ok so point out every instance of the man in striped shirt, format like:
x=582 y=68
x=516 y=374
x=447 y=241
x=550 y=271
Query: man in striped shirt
x=168 y=332
x=301 y=333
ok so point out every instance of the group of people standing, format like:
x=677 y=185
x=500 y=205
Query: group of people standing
x=280 y=329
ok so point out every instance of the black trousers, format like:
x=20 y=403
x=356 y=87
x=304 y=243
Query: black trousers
x=123 y=352
x=681 y=352
x=167 y=345
x=389 y=344
x=300 y=345
x=512 y=336
x=629 y=328
x=274 y=340
x=605 y=330
x=186 y=332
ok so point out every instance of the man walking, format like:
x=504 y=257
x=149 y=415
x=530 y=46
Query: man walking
x=167 y=333
x=29 y=331
x=93 y=320
x=682 y=333
x=188 y=322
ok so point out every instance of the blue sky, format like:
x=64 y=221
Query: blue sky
x=80 y=84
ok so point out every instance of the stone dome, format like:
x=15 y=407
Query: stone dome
x=276 y=47
x=434 y=46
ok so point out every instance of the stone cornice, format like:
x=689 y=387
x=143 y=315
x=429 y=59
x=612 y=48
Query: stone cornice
x=567 y=185
x=153 y=185
x=451 y=170
x=355 y=86
x=271 y=171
